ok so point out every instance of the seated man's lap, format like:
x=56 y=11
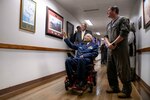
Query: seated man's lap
x=78 y=63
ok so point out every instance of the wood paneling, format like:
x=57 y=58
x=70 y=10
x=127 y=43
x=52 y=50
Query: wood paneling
x=25 y=47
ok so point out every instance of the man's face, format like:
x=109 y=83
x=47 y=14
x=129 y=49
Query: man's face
x=87 y=38
x=83 y=27
x=79 y=28
x=110 y=13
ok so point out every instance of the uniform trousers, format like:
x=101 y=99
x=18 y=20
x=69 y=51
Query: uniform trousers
x=77 y=65
x=118 y=65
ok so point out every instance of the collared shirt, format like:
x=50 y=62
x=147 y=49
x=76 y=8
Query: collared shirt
x=82 y=35
x=120 y=26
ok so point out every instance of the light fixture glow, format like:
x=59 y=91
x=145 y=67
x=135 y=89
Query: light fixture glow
x=89 y=22
x=98 y=33
x=102 y=39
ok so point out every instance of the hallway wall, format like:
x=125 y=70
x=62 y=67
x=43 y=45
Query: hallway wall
x=19 y=66
x=142 y=41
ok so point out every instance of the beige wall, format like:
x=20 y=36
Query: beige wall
x=19 y=66
x=143 y=40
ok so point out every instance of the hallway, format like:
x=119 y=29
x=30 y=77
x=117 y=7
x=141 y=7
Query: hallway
x=55 y=90
x=33 y=51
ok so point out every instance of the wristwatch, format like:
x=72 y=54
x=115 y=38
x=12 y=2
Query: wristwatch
x=114 y=44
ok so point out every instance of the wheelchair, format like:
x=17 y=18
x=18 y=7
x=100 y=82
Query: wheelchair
x=90 y=80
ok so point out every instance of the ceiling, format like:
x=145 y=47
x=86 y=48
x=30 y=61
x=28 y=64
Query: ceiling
x=96 y=11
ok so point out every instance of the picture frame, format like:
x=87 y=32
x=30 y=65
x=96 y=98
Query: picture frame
x=140 y=23
x=69 y=29
x=54 y=23
x=146 y=13
x=28 y=15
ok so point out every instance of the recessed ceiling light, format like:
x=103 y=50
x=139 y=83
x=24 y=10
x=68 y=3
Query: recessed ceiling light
x=89 y=22
x=91 y=10
x=98 y=33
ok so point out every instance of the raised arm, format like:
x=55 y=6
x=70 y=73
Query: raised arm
x=69 y=43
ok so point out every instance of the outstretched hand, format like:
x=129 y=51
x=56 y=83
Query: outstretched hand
x=65 y=35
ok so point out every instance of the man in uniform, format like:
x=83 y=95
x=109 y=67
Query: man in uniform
x=118 y=64
x=86 y=52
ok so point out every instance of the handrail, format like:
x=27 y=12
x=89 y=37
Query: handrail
x=26 y=47
x=146 y=49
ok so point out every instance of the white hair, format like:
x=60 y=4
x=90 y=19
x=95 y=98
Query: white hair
x=91 y=37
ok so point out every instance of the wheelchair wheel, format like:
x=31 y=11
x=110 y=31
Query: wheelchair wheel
x=94 y=78
x=66 y=87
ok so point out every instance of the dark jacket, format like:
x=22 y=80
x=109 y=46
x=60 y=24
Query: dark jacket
x=88 y=51
x=78 y=38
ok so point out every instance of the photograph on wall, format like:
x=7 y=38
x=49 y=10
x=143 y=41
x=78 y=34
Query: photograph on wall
x=28 y=15
x=54 y=23
x=146 y=12
x=69 y=29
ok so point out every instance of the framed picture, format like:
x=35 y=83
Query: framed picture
x=140 y=23
x=28 y=15
x=69 y=29
x=54 y=23
x=146 y=13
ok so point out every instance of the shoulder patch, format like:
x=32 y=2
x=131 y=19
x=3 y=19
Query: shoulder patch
x=90 y=47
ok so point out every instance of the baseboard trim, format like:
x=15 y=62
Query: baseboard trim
x=143 y=84
x=18 y=89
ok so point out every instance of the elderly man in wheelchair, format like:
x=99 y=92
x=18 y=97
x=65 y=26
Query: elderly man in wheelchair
x=86 y=53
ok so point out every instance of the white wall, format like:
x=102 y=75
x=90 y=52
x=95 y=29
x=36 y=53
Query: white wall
x=19 y=66
x=143 y=40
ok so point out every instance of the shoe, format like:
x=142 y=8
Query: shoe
x=113 y=91
x=123 y=95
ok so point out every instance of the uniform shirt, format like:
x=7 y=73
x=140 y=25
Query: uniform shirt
x=87 y=50
x=118 y=27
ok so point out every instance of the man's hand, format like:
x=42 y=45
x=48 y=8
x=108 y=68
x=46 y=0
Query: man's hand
x=65 y=35
x=111 y=46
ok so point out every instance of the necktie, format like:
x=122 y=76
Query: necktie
x=83 y=34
